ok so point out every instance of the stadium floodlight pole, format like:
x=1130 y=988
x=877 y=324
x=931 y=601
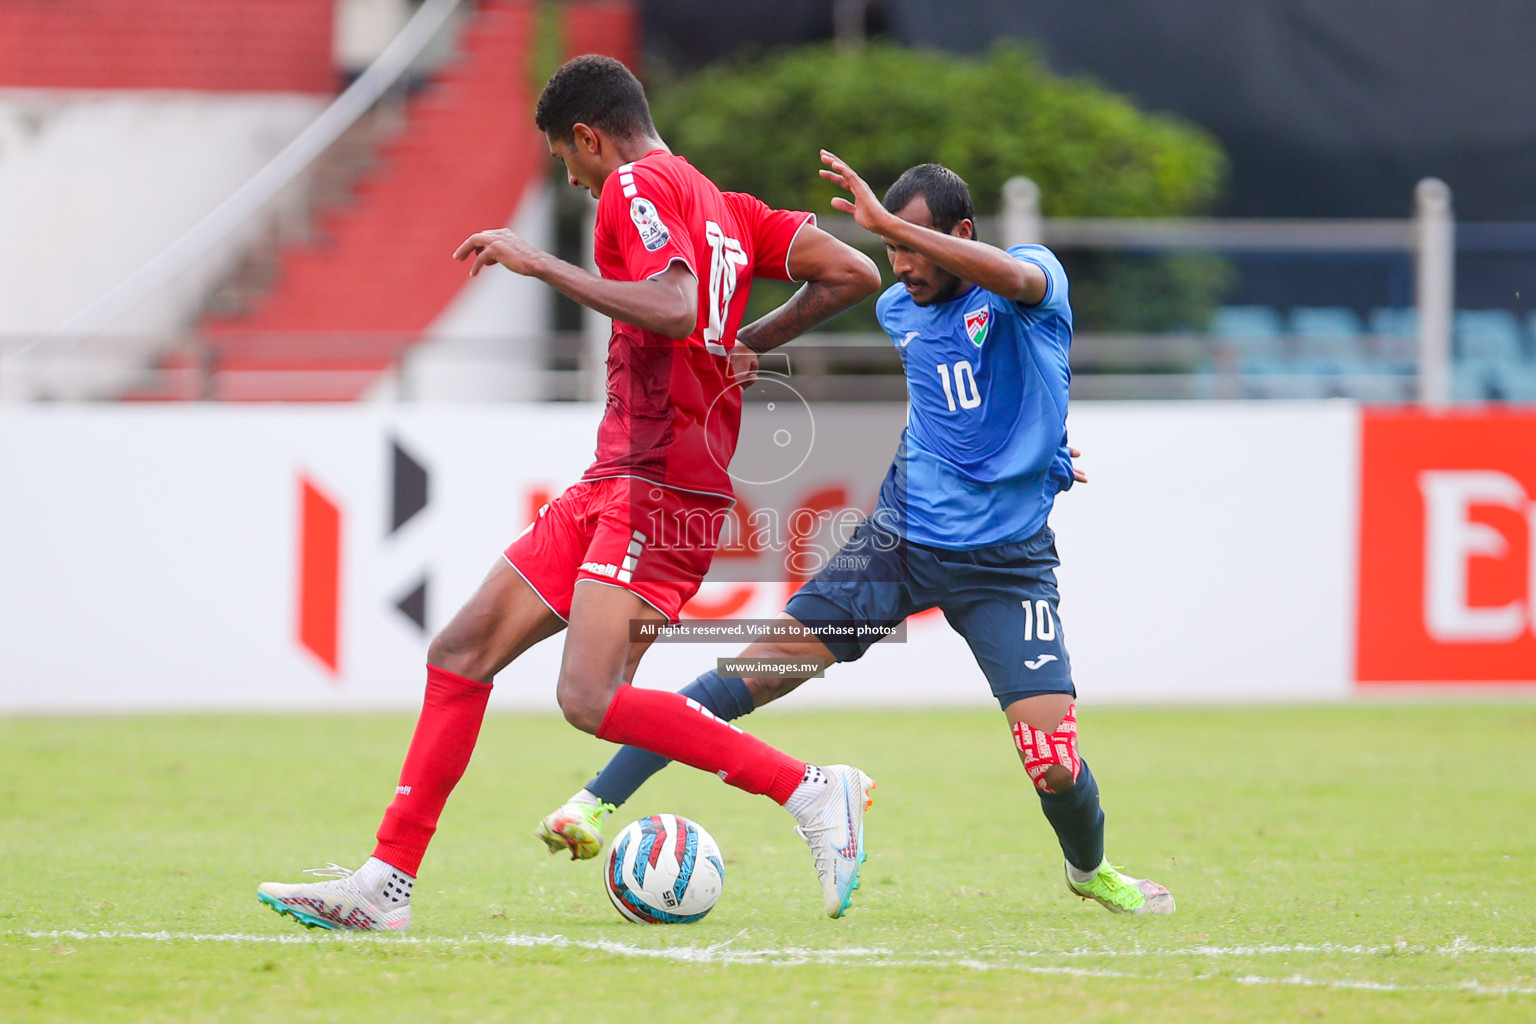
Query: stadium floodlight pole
x=263 y=186
x=1435 y=254
x=1021 y=212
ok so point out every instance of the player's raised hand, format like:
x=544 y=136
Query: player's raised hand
x=865 y=206
x=503 y=246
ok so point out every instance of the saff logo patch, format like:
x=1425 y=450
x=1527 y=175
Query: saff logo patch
x=976 y=323
x=653 y=233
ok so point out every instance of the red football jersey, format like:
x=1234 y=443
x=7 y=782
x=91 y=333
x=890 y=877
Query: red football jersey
x=673 y=410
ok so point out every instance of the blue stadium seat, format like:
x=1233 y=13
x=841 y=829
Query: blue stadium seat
x=1488 y=334
x=1246 y=321
x=1289 y=383
x=1322 y=366
x=1394 y=334
x=1471 y=379
x=1263 y=365
x=1252 y=331
x=1380 y=388
x=1395 y=321
x=1467 y=383
x=1327 y=331
x=1510 y=382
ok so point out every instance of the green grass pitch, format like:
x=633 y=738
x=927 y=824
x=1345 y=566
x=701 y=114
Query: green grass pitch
x=1370 y=862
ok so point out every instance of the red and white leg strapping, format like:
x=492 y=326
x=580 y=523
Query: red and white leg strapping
x=1041 y=750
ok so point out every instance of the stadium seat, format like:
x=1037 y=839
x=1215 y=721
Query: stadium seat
x=1287 y=384
x=1327 y=332
x=1511 y=382
x=1379 y=388
x=1253 y=332
x=1263 y=366
x=1470 y=379
x=1321 y=366
x=1246 y=321
x=1488 y=334
x=1394 y=336
x=1394 y=321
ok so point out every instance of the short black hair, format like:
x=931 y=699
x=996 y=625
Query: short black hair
x=594 y=90
x=947 y=195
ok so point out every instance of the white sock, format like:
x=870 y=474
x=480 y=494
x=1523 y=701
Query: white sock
x=813 y=785
x=586 y=796
x=1080 y=877
x=386 y=884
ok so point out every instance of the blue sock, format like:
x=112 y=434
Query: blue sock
x=725 y=696
x=1078 y=820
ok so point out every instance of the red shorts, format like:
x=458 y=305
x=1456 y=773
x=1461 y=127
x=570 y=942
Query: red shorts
x=653 y=541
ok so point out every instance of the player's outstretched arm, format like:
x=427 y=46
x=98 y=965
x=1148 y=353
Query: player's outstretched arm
x=836 y=277
x=666 y=303
x=961 y=255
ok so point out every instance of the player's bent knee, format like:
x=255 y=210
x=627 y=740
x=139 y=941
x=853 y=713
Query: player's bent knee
x=1050 y=758
x=450 y=652
x=441 y=652
x=586 y=715
x=584 y=706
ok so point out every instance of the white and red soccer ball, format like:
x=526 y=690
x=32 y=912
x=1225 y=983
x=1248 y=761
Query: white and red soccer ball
x=663 y=869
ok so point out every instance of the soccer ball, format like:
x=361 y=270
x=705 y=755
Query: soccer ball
x=663 y=870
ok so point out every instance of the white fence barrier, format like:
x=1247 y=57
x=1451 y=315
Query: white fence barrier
x=154 y=557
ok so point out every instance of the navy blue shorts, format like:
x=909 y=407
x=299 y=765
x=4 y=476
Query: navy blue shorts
x=1001 y=599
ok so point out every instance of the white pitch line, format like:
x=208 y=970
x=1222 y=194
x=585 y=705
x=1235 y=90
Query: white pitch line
x=1471 y=987
x=722 y=953
x=1457 y=947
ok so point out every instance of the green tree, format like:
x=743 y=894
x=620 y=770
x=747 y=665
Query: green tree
x=757 y=126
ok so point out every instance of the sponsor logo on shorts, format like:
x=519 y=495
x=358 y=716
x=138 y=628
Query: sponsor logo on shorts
x=600 y=569
x=653 y=233
x=1044 y=659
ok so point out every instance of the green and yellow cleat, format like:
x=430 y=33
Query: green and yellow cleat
x=1121 y=894
x=577 y=827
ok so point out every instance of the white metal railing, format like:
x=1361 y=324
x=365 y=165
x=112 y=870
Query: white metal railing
x=1429 y=237
x=826 y=367
x=1185 y=366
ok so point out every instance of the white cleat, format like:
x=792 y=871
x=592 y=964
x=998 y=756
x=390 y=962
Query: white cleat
x=836 y=834
x=337 y=905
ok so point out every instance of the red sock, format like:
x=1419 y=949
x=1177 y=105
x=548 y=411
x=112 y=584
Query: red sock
x=445 y=736
x=675 y=727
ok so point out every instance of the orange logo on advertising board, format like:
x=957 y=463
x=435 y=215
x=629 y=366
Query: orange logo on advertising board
x=1447 y=586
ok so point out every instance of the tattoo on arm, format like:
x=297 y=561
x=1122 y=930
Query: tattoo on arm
x=814 y=302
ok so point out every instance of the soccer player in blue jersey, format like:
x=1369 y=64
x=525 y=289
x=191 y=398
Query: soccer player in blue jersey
x=960 y=523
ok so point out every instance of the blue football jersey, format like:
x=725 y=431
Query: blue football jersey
x=984 y=450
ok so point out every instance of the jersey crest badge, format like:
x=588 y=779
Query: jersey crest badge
x=653 y=233
x=976 y=322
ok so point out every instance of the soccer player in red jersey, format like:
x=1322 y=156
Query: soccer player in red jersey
x=631 y=542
